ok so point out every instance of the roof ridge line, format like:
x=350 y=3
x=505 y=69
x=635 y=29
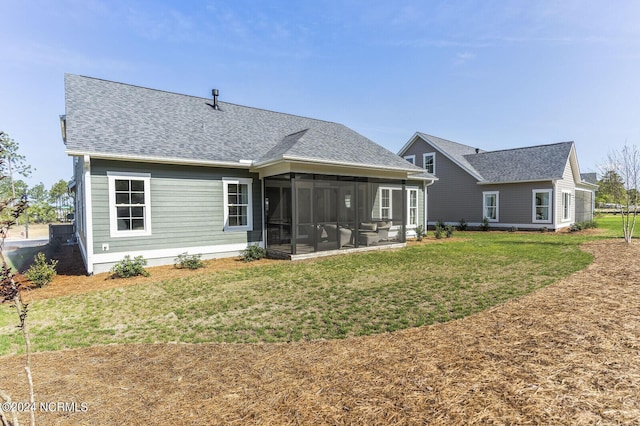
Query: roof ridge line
x=203 y=98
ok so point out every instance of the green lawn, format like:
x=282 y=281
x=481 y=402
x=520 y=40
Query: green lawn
x=336 y=297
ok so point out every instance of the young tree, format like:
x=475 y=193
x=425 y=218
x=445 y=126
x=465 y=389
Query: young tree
x=10 y=291
x=13 y=163
x=625 y=163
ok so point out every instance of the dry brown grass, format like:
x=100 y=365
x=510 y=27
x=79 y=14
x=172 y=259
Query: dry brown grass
x=566 y=354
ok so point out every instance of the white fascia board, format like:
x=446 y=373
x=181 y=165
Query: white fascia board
x=241 y=164
x=553 y=181
x=312 y=161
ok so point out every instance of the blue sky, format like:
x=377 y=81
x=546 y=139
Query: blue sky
x=491 y=74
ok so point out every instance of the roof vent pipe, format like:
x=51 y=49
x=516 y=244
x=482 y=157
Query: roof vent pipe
x=477 y=149
x=215 y=94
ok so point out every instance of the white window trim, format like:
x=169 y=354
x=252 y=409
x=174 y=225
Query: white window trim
x=533 y=205
x=411 y=159
x=417 y=207
x=226 y=181
x=484 y=205
x=570 y=194
x=113 y=216
x=424 y=161
x=382 y=188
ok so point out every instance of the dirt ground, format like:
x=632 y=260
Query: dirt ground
x=566 y=354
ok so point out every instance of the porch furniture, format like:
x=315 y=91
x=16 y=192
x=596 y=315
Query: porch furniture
x=368 y=237
x=341 y=235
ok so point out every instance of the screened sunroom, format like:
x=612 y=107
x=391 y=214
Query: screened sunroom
x=309 y=213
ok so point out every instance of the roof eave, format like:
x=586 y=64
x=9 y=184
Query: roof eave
x=516 y=181
x=242 y=164
x=341 y=166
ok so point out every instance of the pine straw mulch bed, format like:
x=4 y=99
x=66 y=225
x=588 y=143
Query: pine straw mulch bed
x=566 y=354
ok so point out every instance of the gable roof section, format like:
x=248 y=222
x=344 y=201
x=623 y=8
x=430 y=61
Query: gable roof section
x=454 y=151
x=536 y=163
x=527 y=164
x=114 y=120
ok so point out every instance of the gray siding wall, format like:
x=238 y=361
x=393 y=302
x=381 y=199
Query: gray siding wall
x=516 y=202
x=186 y=207
x=457 y=195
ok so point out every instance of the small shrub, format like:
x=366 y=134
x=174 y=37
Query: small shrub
x=513 y=229
x=463 y=225
x=448 y=230
x=579 y=226
x=575 y=227
x=188 y=261
x=253 y=252
x=130 y=268
x=440 y=224
x=41 y=273
x=420 y=232
x=544 y=229
x=485 y=224
x=438 y=232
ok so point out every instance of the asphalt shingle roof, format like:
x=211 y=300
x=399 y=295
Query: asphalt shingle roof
x=542 y=162
x=534 y=163
x=115 y=119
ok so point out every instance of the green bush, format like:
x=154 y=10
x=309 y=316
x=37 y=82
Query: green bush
x=485 y=224
x=579 y=226
x=448 y=230
x=463 y=225
x=420 y=232
x=253 y=252
x=438 y=231
x=40 y=272
x=513 y=229
x=130 y=268
x=188 y=261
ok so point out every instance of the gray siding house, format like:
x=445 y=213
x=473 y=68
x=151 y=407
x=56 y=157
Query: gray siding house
x=528 y=188
x=159 y=174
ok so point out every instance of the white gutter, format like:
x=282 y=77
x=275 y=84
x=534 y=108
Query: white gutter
x=88 y=213
x=241 y=164
x=426 y=204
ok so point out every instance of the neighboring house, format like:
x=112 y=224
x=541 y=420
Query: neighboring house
x=159 y=174
x=529 y=188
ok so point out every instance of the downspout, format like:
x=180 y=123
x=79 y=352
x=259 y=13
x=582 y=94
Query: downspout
x=88 y=212
x=264 y=216
x=554 y=184
x=426 y=219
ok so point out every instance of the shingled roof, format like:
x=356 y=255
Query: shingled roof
x=527 y=164
x=535 y=163
x=114 y=120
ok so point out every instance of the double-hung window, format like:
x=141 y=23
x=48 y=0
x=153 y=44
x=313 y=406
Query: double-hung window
x=237 y=204
x=566 y=205
x=490 y=200
x=429 y=162
x=542 y=205
x=385 y=203
x=129 y=204
x=412 y=198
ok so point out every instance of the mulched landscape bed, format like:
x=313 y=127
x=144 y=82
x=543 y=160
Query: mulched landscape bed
x=565 y=354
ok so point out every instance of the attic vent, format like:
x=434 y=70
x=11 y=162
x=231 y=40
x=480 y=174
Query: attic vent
x=215 y=94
